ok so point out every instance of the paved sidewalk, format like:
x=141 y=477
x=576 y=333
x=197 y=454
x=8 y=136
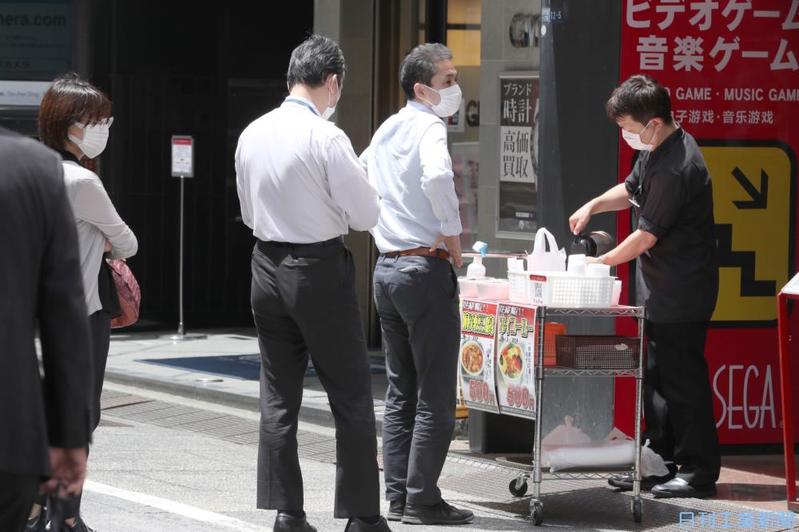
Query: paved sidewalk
x=223 y=368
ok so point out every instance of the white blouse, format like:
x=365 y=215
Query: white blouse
x=97 y=221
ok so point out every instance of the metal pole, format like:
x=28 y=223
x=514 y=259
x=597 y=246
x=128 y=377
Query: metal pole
x=180 y=273
x=181 y=334
x=639 y=383
x=786 y=389
x=541 y=317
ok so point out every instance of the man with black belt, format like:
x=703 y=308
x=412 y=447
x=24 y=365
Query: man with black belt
x=676 y=278
x=416 y=289
x=301 y=187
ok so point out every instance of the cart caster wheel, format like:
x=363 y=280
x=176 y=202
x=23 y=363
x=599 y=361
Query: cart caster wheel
x=537 y=512
x=637 y=510
x=518 y=487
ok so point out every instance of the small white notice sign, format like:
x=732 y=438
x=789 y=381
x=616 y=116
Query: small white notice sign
x=182 y=156
x=22 y=93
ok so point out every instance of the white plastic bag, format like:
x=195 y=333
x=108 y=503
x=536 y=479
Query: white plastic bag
x=595 y=455
x=652 y=464
x=541 y=260
x=566 y=434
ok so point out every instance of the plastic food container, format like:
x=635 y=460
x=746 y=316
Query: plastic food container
x=468 y=286
x=616 y=293
x=493 y=289
x=597 y=270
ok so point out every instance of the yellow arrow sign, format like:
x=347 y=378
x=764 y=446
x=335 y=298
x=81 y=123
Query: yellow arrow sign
x=753 y=206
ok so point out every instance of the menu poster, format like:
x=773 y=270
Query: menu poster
x=515 y=360
x=476 y=367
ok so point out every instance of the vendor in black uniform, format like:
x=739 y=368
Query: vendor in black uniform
x=676 y=278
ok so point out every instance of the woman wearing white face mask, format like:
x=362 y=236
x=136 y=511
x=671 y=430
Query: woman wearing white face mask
x=74 y=119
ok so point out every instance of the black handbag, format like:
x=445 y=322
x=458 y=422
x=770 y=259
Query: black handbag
x=52 y=516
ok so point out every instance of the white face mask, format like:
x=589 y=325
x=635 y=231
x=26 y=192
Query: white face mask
x=328 y=112
x=634 y=140
x=95 y=138
x=450 y=101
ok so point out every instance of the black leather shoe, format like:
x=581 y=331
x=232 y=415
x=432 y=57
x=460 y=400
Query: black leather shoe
x=359 y=525
x=290 y=523
x=625 y=482
x=36 y=524
x=80 y=526
x=395 y=510
x=680 y=488
x=436 y=514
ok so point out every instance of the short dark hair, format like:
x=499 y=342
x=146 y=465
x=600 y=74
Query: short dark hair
x=419 y=66
x=70 y=100
x=314 y=60
x=642 y=98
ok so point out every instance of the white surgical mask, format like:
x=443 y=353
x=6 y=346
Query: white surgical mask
x=328 y=112
x=450 y=101
x=634 y=140
x=95 y=138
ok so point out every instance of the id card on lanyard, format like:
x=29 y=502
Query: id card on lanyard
x=303 y=103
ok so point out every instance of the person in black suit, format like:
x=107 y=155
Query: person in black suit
x=45 y=420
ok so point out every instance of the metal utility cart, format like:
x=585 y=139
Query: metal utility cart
x=518 y=486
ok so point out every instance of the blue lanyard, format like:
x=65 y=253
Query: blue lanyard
x=303 y=102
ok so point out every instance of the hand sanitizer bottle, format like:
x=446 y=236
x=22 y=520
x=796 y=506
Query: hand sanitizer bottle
x=476 y=268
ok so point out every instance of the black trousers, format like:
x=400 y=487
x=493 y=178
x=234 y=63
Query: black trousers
x=303 y=300
x=678 y=403
x=417 y=300
x=17 y=494
x=100 y=328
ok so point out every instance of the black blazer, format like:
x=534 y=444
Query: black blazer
x=40 y=282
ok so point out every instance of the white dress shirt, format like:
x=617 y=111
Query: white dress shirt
x=96 y=220
x=298 y=178
x=409 y=163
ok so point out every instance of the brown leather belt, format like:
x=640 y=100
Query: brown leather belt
x=418 y=252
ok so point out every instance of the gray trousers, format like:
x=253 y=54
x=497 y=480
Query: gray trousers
x=303 y=301
x=417 y=300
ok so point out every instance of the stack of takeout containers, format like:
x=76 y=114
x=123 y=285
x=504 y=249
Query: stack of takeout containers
x=581 y=285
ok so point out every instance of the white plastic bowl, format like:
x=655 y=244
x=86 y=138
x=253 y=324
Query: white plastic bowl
x=493 y=289
x=468 y=286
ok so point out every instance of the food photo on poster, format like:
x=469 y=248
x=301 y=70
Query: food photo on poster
x=515 y=376
x=476 y=356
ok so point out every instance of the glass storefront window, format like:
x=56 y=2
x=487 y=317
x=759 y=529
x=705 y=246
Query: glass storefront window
x=463 y=30
x=463 y=38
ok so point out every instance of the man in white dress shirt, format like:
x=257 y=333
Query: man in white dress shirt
x=301 y=187
x=416 y=289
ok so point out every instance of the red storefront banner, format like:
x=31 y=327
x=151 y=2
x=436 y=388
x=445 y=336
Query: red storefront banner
x=732 y=67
